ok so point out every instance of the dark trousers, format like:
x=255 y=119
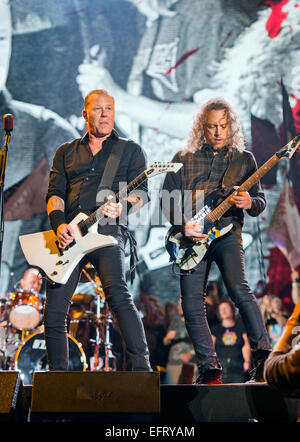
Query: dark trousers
x=110 y=264
x=228 y=254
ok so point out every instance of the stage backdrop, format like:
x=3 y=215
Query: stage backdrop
x=161 y=60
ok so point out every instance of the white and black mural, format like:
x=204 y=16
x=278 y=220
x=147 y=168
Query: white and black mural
x=160 y=59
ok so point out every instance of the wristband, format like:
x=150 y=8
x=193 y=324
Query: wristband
x=56 y=218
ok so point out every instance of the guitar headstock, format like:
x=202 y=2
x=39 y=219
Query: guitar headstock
x=289 y=149
x=162 y=167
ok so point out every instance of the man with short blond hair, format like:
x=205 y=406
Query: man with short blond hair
x=74 y=179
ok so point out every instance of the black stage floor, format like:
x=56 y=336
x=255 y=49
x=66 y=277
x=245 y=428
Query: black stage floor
x=186 y=404
x=139 y=398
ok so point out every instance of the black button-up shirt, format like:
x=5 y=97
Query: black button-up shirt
x=76 y=173
x=205 y=171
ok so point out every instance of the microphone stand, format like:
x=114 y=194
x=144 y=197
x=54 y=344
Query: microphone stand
x=3 y=163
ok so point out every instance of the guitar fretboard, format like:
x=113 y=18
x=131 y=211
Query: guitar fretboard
x=219 y=211
x=120 y=196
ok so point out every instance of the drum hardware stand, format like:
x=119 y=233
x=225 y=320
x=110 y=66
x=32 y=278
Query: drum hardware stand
x=108 y=344
x=108 y=322
x=98 y=337
x=22 y=335
x=98 y=340
x=8 y=127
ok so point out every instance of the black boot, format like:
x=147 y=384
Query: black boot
x=257 y=373
x=209 y=376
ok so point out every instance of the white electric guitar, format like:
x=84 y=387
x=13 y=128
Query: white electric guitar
x=42 y=249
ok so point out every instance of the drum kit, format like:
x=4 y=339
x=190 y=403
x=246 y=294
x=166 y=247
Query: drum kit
x=22 y=340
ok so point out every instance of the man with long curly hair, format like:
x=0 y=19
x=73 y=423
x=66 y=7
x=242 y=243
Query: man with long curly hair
x=215 y=158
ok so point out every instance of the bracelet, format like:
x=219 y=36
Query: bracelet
x=56 y=218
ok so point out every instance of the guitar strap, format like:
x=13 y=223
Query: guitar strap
x=106 y=183
x=111 y=168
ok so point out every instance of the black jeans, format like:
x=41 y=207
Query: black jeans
x=110 y=264
x=228 y=254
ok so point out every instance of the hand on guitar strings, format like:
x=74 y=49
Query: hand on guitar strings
x=193 y=231
x=112 y=210
x=241 y=200
x=65 y=235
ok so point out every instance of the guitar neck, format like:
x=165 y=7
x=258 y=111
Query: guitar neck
x=120 y=196
x=219 y=211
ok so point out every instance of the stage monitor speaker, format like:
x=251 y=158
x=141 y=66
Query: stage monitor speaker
x=246 y=402
x=74 y=395
x=13 y=402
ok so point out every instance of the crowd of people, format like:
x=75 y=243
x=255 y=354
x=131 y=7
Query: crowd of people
x=171 y=349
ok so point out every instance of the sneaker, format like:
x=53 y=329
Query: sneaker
x=257 y=373
x=209 y=377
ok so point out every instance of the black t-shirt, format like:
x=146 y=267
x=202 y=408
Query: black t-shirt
x=229 y=340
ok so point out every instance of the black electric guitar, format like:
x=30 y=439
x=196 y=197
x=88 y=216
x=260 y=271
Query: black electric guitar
x=187 y=254
x=42 y=249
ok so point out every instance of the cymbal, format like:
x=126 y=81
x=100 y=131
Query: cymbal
x=82 y=298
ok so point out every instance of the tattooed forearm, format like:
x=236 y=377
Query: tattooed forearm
x=55 y=203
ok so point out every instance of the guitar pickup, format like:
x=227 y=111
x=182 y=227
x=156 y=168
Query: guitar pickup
x=60 y=250
x=71 y=245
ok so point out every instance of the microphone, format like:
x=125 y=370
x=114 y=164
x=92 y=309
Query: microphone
x=8 y=123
